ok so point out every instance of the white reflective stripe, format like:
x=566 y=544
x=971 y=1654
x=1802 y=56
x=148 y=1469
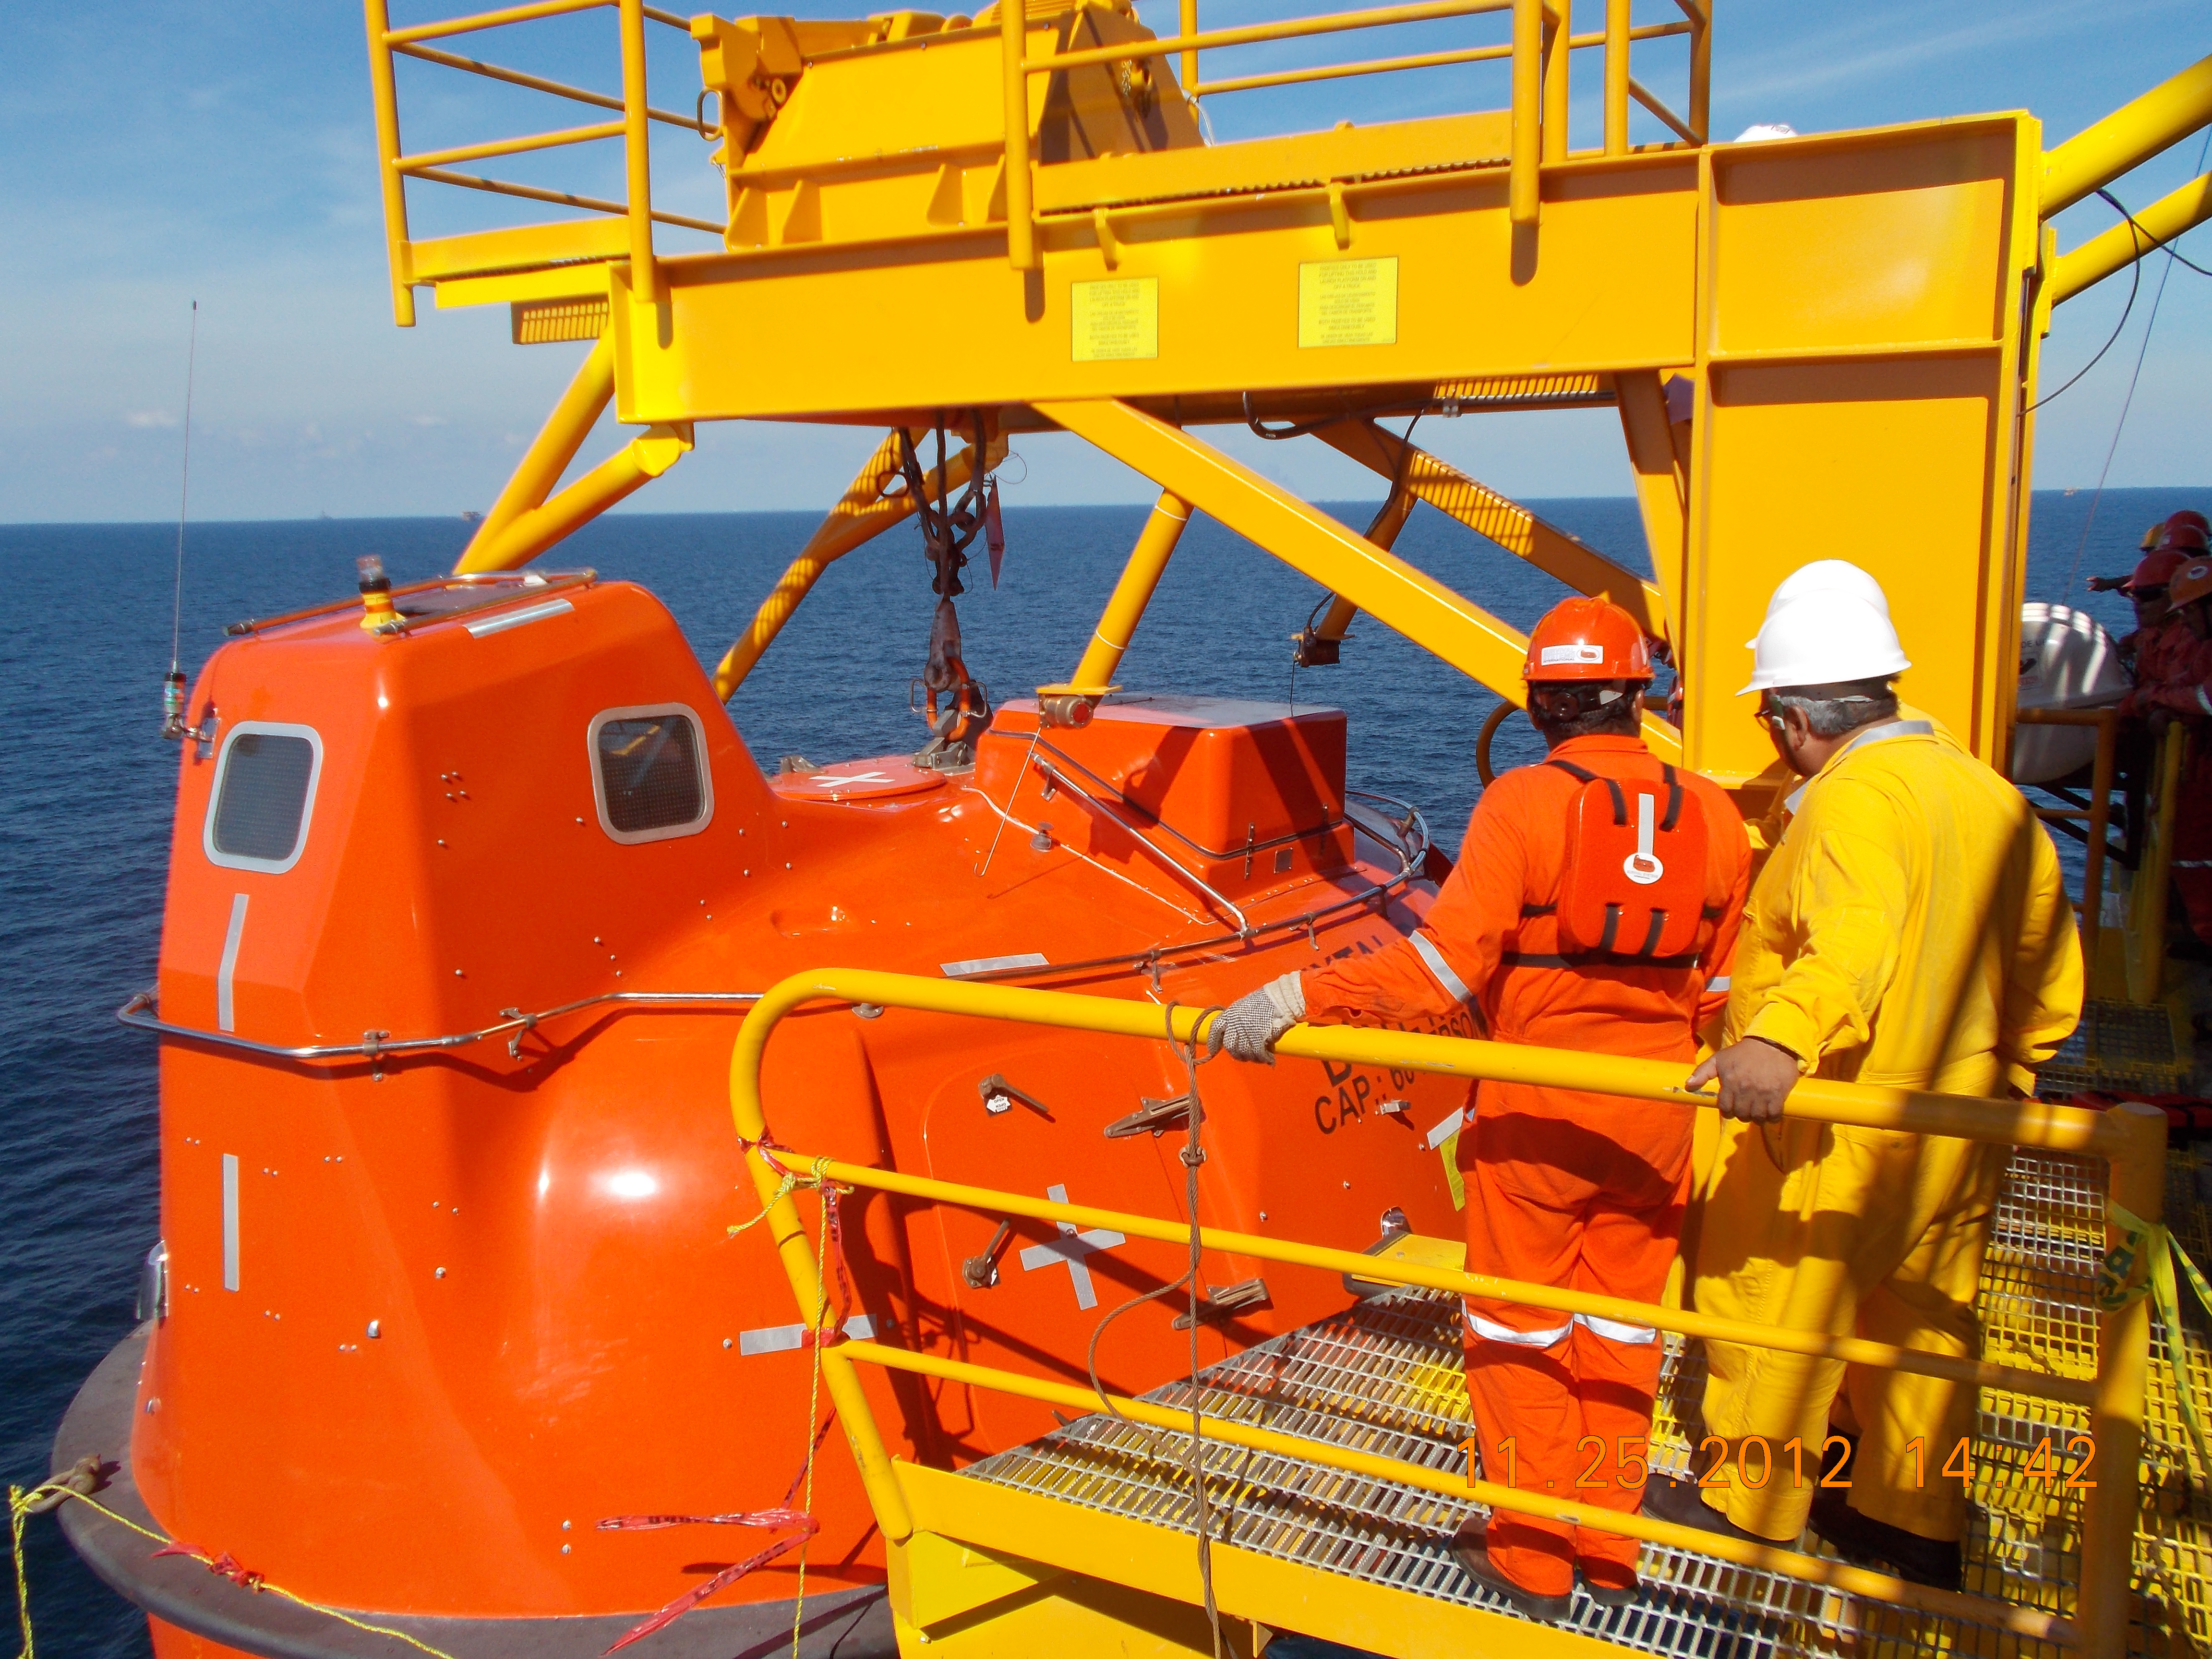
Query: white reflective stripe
x=2202 y=702
x=1448 y=1127
x=1491 y=1331
x=224 y=1020
x=1434 y=961
x=784 y=1339
x=230 y=1221
x=1613 y=1330
x=1718 y=983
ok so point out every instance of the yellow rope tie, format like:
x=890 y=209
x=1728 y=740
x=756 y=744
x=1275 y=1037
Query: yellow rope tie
x=2141 y=1263
x=19 y=1509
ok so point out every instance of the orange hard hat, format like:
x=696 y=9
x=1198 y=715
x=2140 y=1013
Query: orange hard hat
x=2186 y=539
x=1583 y=639
x=2189 y=517
x=2155 y=569
x=2193 y=582
x=2153 y=536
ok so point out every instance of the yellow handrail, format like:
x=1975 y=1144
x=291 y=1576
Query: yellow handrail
x=1817 y=1345
x=2131 y=1140
x=1295 y=28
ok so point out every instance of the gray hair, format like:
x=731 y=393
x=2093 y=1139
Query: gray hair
x=1832 y=710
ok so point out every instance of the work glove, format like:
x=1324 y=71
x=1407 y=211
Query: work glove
x=1248 y=1027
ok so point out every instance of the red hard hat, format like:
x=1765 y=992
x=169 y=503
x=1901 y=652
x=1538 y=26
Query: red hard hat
x=2184 y=539
x=2156 y=568
x=2192 y=518
x=2193 y=582
x=1583 y=639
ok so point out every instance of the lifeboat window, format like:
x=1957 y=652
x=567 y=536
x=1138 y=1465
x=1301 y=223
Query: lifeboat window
x=264 y=795
x=649 y=773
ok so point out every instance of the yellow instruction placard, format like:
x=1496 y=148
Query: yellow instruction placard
x=1116 y=319
x=1348 y=303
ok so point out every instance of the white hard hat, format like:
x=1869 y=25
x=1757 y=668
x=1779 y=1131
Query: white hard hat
x=1828 y=576
x=1822 y=638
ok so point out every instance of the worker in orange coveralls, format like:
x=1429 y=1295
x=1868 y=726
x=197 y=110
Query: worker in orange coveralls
x=1593 y=907
x=2156 y=635
x=2180 y=690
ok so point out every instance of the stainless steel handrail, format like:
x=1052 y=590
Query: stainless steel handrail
x=138 y=1013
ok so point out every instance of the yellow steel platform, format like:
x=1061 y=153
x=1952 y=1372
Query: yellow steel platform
x=1386 y=1376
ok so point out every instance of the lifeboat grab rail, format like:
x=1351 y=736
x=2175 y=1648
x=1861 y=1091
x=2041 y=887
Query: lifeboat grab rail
x=2131 y=1140
x=140 y=1013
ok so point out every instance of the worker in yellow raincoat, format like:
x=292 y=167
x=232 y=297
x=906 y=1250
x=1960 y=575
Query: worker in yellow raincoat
x=1910 y=928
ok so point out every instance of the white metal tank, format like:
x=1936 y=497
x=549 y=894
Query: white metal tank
x=2067 y=660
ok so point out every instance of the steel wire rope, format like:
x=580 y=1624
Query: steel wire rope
x=2138 y=232
x=1192 y=1156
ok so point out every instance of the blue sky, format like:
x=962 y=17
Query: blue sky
x=158 y=152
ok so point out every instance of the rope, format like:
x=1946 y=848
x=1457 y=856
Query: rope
x=2142 y=1263
x=1193 y=1155
x=50 y=1493
x=829 y=1243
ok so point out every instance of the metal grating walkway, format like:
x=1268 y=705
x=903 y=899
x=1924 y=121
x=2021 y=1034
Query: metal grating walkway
x=1386 y=1376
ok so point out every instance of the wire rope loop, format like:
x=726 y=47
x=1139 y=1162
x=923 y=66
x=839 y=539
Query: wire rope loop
x=1496 y=718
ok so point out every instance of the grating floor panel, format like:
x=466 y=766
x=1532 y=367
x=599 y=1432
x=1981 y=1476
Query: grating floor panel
x=2119 y=1045
x=1386 y=1376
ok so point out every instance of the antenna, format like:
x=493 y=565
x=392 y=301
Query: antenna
x=173 y=683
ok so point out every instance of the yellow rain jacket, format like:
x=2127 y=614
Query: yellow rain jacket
x=1911 y=929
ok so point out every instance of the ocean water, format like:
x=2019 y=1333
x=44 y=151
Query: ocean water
x=84 y=812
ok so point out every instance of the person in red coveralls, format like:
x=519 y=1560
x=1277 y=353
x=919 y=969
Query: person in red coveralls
x=2177 y=689
x=1593 y=907
x=2156 y=634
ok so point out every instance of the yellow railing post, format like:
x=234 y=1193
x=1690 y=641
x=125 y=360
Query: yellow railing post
x=2101 y=823
x=1188 y=25
x=1701 y=73
x=2137 y=1184
x=385 y=93
x=2147 y=903
x=644 y=279
x=1021 y=214
x=1525 y=186
x=1616 y=77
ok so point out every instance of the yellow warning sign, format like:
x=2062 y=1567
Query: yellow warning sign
x=1116 y=320
x=1348 y=303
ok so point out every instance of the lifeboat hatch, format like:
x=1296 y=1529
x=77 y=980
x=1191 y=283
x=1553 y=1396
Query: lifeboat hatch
x=1247 y=796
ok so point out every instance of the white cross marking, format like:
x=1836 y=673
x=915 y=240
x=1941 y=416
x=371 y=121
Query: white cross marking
x=1070 y=1248
x=830 y=781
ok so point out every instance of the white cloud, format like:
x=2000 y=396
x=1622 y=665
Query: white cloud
x=430 y=420
x=149 y=418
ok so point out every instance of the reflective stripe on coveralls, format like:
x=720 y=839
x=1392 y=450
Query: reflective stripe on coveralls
x=1613 y=1330
x=1912 y=928
x=1433 y=959
x=1562 y=1188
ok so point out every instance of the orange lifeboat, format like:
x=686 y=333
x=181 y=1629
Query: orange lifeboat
x=460 y=909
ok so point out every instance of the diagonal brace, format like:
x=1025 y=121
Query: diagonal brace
x=1380 y=583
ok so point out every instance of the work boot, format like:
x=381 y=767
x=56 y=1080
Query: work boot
x=1865 y=1542
x=1609 y=1588
x=1668 y=1497
x=1471 y=1546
